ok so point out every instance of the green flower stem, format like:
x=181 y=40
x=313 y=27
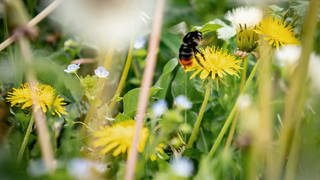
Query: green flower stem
x=244 y=73
x=294 y=154
x=261 y=148
x=25 y=140
x=222 y=132
x=231 y=114
x=296 y=95
x=123 y=78
x=234 y=122
x=197 y=124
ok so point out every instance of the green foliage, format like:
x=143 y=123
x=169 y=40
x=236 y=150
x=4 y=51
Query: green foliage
x=130 y=100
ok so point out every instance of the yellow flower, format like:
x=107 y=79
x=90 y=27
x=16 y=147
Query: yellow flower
x=45 y=96
x=118 y=138
x=276 y=32
x=58 y=106
x=217 y=64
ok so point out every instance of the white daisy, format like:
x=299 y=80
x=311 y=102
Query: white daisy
x=101 y=72
x=244 y=16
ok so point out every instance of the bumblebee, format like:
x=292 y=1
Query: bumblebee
x=188 y=48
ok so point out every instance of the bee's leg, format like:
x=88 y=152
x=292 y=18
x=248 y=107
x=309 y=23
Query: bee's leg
x=195 y=51
x=197 y=59
x=198 y=51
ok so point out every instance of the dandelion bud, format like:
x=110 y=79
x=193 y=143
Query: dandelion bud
x=247 y=39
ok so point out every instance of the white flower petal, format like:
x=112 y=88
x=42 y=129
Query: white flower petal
x=226 y=32
x=139 y=42
x=244 y=101
x=244 y=16
x=183 y=102
x=287 y=55
x=101 y=72
x=84 y=169
x=72 y=68
x=182 y=167
x=104 y=23
x=314 y=72
x=159 y=107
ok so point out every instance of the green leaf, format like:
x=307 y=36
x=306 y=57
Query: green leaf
x=191 y=88
x=130 y=100
x=172 y=41
x=208 y=27
x=165 y=78
x=49 y=72
x=122 y=117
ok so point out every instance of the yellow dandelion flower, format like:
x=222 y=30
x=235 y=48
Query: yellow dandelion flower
x=216 y=64
x=58 y=106
x=118 y=138
x=45 y=96
x=276 y=32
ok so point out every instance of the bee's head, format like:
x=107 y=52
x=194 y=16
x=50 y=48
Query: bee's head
x=193 y=37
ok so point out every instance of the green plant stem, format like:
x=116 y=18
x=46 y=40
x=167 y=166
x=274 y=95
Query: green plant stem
x=261 y=147
x=222 y=132
x=123 y=78
x=296 y=95
x=234 y=122
x=25 y=140
x=197 y=124
x=244 y=73
x=231 y=114
x=291 y=168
